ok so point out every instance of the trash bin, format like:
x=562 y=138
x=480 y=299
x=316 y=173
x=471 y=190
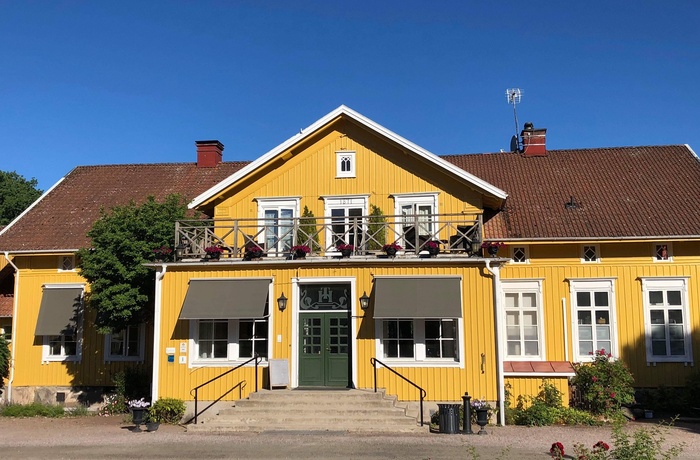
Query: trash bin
x=449 y=418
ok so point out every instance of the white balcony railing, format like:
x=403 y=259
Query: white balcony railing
x=454 y=233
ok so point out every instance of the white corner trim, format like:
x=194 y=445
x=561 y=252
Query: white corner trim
x=343 y=110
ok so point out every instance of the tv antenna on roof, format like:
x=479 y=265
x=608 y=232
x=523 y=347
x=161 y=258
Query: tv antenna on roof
x=514 y=95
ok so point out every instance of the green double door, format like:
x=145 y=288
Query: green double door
x=324 y=339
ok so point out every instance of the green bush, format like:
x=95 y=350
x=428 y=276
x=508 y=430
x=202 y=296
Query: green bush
x=4 y=361
x=605 y=384
x=32 y=410
x=546 y=409
x=167 y=410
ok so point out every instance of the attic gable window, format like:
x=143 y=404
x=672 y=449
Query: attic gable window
x=662 y=252
x=66 y=263
x=590 y=253
x=520 y=254
x=345 y=163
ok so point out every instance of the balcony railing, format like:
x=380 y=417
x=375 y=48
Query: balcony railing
x=274 y=237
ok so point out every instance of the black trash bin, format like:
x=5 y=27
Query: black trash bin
x=449 y=418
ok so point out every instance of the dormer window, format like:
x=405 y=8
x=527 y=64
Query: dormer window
x=345 y=163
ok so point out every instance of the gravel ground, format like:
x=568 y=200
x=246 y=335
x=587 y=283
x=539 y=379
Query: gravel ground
x=109 y=437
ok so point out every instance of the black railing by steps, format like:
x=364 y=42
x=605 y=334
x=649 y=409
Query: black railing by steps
x=423 y=393
x=195 y=390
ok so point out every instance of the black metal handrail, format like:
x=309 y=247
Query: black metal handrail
x=423 y=393
x=257 y=360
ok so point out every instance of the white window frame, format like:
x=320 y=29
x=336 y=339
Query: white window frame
x=340 y=156
x=669 y=252
x=46 y=355
x=593 y=285
x=62 y=263
x=277 y=204
x=232 y=348
x=533 y=286
x=414 y=199
x=419 y=358
x=526 y=252
x=667 y=284
x=345 y=202
x=596 y=247
x=123 y=357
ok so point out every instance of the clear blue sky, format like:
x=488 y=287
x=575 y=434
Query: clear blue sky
x=105 y=82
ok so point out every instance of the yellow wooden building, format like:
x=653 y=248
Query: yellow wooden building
x=509 y=267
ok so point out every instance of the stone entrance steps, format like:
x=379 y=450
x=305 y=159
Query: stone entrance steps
x=313 y=410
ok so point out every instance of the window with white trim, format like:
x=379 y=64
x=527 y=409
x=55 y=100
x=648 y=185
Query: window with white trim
x=593 y=304
x=420 y=340
x=590 y=253
x=519 y=254
x=278 y=219
x=523 y=311
x=667 y=320
x=126 y=345
x=345 y=163
x=64 y=347
x=417 y=214
x=662 y=252
x=7 y=332
x=346 y=223
x=228 y=340
x=66 y=263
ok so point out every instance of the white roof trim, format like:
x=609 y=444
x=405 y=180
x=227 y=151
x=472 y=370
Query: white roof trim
x=343 y=110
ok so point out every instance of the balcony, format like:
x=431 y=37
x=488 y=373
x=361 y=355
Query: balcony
x=456 y=234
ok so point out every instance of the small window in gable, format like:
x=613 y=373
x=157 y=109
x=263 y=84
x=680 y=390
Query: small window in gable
x=520 y=254
x=66 y=263
x=345 y=164
x=590 y=253
x=662 y=252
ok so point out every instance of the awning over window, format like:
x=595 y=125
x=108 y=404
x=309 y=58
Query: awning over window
x=226 y=299
x=58 y=311
x=417 y=297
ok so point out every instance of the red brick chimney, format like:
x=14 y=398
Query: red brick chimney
x=209 y=153
x=534 y=141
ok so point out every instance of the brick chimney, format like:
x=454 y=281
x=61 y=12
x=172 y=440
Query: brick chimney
x=209 y=153
x=534 y=141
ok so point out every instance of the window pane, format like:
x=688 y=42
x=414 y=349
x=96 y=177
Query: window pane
x=220 y=349
x=674 y=297
x=390 y=329
x=511 y=300
x=221 y=330
x=605 y=345
x=656 y=297
x=658 y=347
x=585 y=332
x=391 y=348
x=406 y=349
x=675 y=332
x=449 y=329
x=530 y=332
x=245 y=349
x=584 y=317
x=531 y=349
x=658 y=332
x=432 y=348
x=602 y=317
x=512 y=318
x=405 y=329
x=583 y=299
x=432 y=329
x=206 y=330
x=448 y=349
x=514 y=348
x=529 y=300
x=677 y=347
x=601 y=299
x=675 y=316
x=513 y=332
x=530 y=318
x=657 y=316
x=603 y=333
x=585 y=348
x=245 y=330
x=70 y=348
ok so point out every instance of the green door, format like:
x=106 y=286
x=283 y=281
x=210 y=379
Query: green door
x=323 y=346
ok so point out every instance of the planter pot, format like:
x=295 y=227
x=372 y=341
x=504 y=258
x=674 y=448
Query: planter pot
x=252 y=255
x=137 y=416
x=493 y=251
x=391 y=252
x=299 y=255
x=433 y=251
x=346 y=252
x=152 y=426
x=482 y=419
x=213 y=255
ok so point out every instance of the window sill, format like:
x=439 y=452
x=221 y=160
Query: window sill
x=226 y=363
x=60 y=359
x=393 y=362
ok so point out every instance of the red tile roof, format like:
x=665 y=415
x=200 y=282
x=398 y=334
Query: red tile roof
x=538 y=367
x=6 y=306
x=62 y=218
x=621 y=192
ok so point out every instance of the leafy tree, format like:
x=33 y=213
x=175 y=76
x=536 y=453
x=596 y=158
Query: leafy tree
x=4 y=361
x=121 y=288
x=307 y=233
x=16 y=194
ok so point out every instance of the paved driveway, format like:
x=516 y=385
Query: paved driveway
x=108 y=437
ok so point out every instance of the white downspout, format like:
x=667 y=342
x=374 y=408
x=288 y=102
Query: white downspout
x=14 y=327
x=566 y=330
x=500 y=379
x=156 y=331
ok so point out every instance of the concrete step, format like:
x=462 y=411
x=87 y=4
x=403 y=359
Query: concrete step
x=312 y=410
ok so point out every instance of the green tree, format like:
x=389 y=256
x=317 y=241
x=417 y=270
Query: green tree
x=16 y=194
x=307 y=233
x=123 y=239
x=4 y=361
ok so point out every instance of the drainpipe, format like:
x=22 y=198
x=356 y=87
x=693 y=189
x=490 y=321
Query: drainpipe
x=156 y=331
x=14 y=327
x=500 y=380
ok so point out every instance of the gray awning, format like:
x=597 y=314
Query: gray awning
x=417 y=297
x=58 y=311
x=226 y=299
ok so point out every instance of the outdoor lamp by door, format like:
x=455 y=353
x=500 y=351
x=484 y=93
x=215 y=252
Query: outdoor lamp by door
x=364 y=301
x=282 y=302
x=180 y=249
x=476 y=246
